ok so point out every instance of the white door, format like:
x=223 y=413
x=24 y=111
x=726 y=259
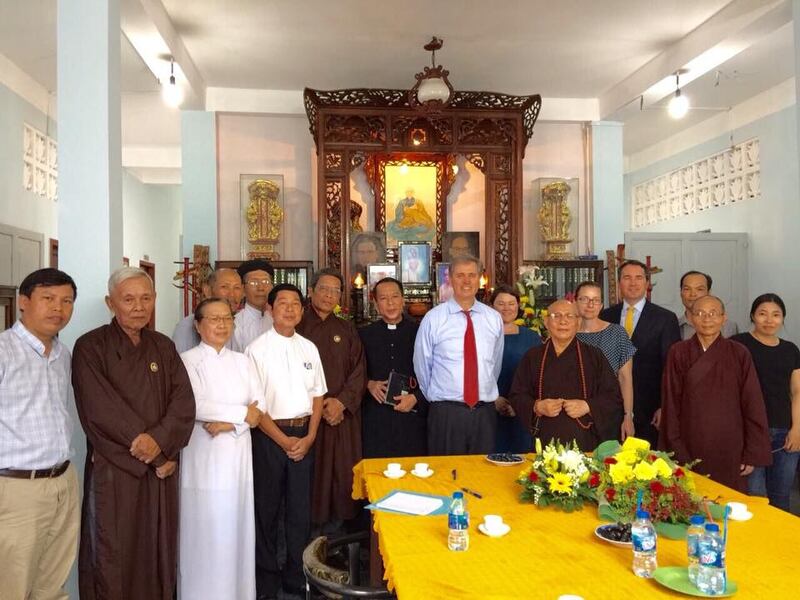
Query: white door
x=21 y=252
x=722 y=255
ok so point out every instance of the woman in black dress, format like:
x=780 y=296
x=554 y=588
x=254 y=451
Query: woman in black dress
x=394 y=426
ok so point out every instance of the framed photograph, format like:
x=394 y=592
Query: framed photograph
x=444 y=290
x=415 y=262
x=366 y=248
x=410 y=203
x=459 y=243
x=376 y=272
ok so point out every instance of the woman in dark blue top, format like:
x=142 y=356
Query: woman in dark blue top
x=511 y=434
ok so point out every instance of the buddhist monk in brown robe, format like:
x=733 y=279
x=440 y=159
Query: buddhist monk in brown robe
x=338 y=443
x=136 y=406
x=565 y=389
x=711 y=403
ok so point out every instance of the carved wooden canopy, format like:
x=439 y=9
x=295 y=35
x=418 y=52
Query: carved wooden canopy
x=490 y=129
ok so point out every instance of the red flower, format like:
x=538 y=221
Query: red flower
x=610 y=493
x=652 y=457
x=678 y=472
x=594 y=479
x=533 y=477
x=610 y=461
x=656 y=487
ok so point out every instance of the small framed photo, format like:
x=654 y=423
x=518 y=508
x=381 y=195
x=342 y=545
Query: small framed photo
x=366 y=247
x=377 y=271
x=415 y=262
x=460 y=243
x=444 y=290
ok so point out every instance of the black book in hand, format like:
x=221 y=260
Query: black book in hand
x=398 y=385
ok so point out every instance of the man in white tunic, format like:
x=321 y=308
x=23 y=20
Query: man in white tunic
x=293 y=382
x=255 y=318
x=217 y=523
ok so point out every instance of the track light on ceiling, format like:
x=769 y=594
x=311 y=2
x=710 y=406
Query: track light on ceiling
x=171 y=92
x=679 y=104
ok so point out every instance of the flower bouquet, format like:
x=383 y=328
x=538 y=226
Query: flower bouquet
x=560 y=476
x=528 y=285
x=668 y=491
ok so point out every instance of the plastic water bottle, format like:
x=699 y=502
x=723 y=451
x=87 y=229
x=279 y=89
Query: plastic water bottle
x=458 y=524
x=693 y=534
x=643 y=536
x=711 y=576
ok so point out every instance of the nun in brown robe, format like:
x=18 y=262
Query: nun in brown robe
x=555 y=383
x=338 y=443
x=129 y=525
x=711 y=403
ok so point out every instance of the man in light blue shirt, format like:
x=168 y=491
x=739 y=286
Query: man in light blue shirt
x=457 y=359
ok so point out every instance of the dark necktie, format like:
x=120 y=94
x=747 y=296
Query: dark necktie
x=470 y=364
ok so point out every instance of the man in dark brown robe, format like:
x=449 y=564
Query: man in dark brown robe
x=565 y=389
x=711 y=407
x=338 y=443
x=137 y=409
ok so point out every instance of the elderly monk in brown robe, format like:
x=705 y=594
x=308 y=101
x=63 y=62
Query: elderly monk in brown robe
x=136 y=406
x=711 y=403
x=565 y=389
x=338 y=443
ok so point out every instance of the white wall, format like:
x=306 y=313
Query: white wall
x=772 y=222
x=267 y=145
x=151 y=216
x=18 y=207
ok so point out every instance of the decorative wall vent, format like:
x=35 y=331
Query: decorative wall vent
x=39 y=163
x=733 y=175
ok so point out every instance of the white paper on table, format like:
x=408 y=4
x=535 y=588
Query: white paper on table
x=411 y=504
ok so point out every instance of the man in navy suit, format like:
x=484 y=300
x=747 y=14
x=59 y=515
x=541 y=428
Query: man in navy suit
x=653 y=330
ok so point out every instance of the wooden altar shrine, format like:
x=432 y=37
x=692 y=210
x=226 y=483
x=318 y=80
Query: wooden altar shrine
x=373 y=127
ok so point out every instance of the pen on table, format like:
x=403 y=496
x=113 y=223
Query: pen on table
x=454 y=475
x=469 y=491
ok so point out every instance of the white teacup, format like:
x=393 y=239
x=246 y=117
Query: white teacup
x=421 y=468
x=737 y=509
x=493 y=523
x=394 y=468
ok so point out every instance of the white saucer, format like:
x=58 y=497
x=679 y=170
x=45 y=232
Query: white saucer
x=396 y=475
x=424 y=475
x=743 y=517
x=500 y=533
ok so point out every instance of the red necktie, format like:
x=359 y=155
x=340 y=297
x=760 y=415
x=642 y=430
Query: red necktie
x=470 y=364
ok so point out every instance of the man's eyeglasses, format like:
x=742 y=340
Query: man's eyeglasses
x=257 y=282
x=557 y=316
x=331 y=291
x=588 y=300
x=216 y=320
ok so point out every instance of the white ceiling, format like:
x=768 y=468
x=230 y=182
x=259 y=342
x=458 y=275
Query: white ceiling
x=570 y=49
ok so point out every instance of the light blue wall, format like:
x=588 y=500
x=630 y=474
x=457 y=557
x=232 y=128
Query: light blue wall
x=607 y=186
x=20 y=208
x=151 y=220
x=772 y=221
x=199 y=180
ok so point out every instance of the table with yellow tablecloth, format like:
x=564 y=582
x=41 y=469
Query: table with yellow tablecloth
x=548 y=552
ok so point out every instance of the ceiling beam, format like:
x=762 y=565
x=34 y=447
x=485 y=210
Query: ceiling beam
x=151 y=32
x=734 y=28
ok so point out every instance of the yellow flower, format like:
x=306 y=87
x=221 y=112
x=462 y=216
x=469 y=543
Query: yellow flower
x=632 y=443
x=519 y=322
x=560 y=483
x=620 y=473
x=584 y=476
x=538 y=447
x=523 y=299
x=689 y=480
x=544 y=313
x=528 y=310
x=662 y=468
x=644 y=471
x=523 y=474
x=629 y=457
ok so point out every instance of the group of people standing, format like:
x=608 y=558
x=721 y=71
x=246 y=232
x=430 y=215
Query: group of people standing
x=200 y=452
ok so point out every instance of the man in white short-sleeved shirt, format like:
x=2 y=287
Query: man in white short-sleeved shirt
x=290 y=371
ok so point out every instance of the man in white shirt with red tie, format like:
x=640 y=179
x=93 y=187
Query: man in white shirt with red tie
x=457 y=358
x=39 y=509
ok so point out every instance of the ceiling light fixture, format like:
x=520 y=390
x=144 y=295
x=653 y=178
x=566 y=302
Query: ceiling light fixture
x=433 y=90
x=171 y=92
x=679 y=104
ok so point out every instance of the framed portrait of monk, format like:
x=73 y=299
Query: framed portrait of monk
x=460 y=243
x=366 y=247
x=415 y=262
x=410 y=203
